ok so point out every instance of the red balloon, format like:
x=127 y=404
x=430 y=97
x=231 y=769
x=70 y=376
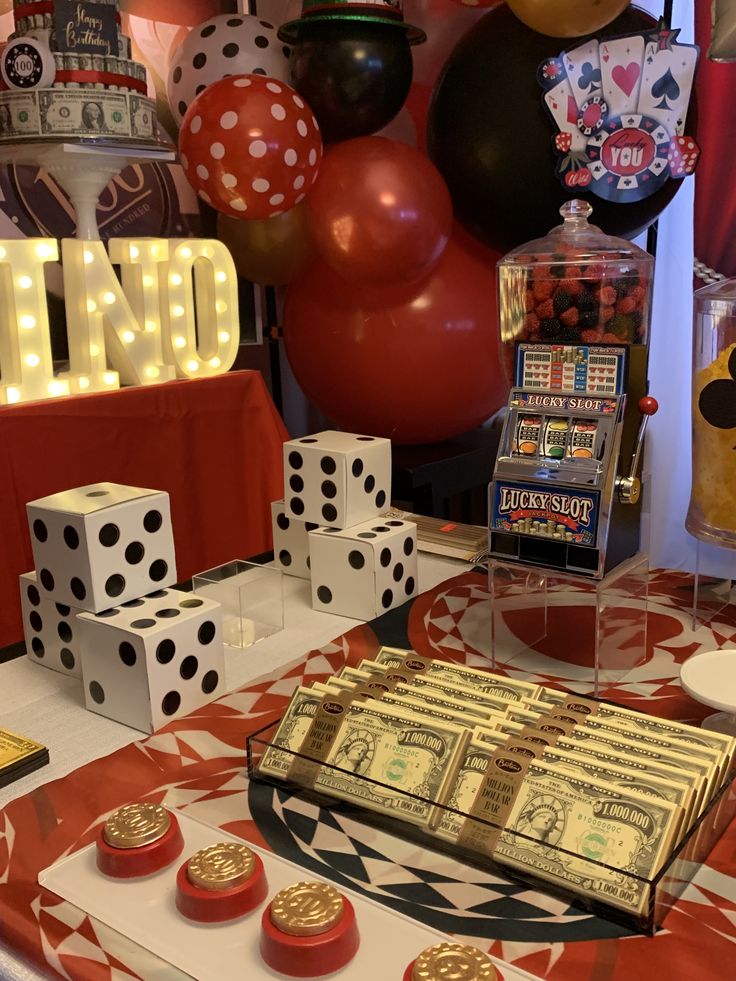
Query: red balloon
x=250 y=146
x=380 y=213
x=416 y=364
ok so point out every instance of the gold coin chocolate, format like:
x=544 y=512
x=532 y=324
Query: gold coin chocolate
x=136 y=825
x=307 y=909
x=221 y=866
x=453 y=962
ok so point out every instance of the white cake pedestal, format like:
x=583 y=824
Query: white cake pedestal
x=83 y=170
x=710 y=678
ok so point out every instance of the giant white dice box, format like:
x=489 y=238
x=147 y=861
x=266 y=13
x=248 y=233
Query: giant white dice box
x=50 y=629
x=336 y=479
x=153 y=659
x=290 y=541
x=365 y=570
x=101 y=545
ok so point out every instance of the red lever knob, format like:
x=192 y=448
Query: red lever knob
x=648 y=405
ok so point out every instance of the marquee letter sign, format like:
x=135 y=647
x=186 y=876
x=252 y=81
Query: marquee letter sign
x=173 y=312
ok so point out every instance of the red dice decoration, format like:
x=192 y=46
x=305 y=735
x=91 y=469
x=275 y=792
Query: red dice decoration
x=683 y=155
x=250 y=146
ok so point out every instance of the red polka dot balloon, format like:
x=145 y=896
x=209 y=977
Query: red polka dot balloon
x=250 y=146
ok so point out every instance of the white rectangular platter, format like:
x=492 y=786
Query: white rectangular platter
x=144 y=910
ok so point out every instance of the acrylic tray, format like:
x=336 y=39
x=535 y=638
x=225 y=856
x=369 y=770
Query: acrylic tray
x=143 y=910
x=663 y=889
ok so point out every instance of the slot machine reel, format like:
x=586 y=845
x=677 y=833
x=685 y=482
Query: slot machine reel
x=628 y=489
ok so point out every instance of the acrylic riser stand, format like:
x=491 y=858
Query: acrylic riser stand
x=710 y=595
x=597 y=628
x=252 y=598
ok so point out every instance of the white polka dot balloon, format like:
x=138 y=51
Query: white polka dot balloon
x=250 y=147
x=226 y=45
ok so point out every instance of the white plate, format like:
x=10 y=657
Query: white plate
x=144 y=910
x=710 y=678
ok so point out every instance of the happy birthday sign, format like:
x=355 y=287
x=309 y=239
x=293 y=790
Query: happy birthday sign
x=173 y=313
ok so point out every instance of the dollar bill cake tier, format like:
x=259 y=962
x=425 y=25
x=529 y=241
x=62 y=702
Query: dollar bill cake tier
x=67 y=74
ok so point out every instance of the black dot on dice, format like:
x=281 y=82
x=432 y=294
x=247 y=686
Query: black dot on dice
x=40 y=530
x=134 y=553
x=62 y=610
x=210 y=681
x=165 y=651
x=356 y=559
x=328 y=465
x=380 y=528
x=132 y=603
x=97 y=494
x=308 y=439
x=153 y=521
x=199 y=60
x=36 y=621
x=296 y=483
x=97 y=692
x=385 y=557
x=33 y=595
x=177 y=74
x=182 y=108
x=235 y=22
x=285 y=557
x=64 y=631
x=409 y=585
x=67 y=658
x=408 y=546
x=208 y=30
x=328 y=489
x=115 y=585
x=380 y=499
x=283 y=522
x=199 y=88
x=158 y=570
x=366 y=439
x=357 y=467
x=71 y=537
x=79 y=590
x=159 y=594
x=189 y=667
x=47 y=580
x=395 y=524
x=295 y=460
x=127 y=653
x=387 y=598
x=105 y=614
x=297 y=505
x=109 y=535
x=231 y=50
x=168 y=613
x=398 y=572
x=369 y=483
x=260 y=71
x=366 y=534
x=170 y=702
x=310 y=525
x=206 y=633
x=261 y=41
x=329 y=512
x=37 y=647
x=143 y=624
x=324 y=595
x=190 y=603
x=309 y=562
x=266 y=24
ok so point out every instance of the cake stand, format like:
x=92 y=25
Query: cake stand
x=83 y=170
x=710 y=678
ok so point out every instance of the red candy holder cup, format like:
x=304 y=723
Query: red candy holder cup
x=219 y=905
x=139 y=860
x=310 y=956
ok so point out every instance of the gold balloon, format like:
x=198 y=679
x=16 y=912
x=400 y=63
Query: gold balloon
x=567 y=18
x=272 y=251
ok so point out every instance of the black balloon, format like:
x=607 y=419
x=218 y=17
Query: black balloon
x=354 y=75
x=491 y=138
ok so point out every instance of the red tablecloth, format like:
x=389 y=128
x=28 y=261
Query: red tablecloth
x=214 y=445
x=197 y=764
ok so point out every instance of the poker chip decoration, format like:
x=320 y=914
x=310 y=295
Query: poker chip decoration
x=620 y=106
x=27 y=64
x=250 y=146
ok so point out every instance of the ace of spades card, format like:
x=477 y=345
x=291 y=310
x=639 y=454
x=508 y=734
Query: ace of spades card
x=667 y=79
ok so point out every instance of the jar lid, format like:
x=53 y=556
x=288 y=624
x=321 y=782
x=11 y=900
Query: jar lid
x=576 y=237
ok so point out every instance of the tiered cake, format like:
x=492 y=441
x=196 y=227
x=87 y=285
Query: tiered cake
x=67 y=74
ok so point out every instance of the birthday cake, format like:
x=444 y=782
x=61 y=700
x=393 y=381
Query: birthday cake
x=67 y=75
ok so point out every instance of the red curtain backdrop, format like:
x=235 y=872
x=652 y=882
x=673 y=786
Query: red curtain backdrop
x=214 y=445
x=715 y=177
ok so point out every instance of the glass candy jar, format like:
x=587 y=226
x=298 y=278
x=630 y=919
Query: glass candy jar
x=575 y=286
x=711 y=516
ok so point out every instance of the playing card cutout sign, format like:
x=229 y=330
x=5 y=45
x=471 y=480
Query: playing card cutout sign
x=620 y=107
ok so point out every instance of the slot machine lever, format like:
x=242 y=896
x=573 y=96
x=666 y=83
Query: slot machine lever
x=629 y=488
